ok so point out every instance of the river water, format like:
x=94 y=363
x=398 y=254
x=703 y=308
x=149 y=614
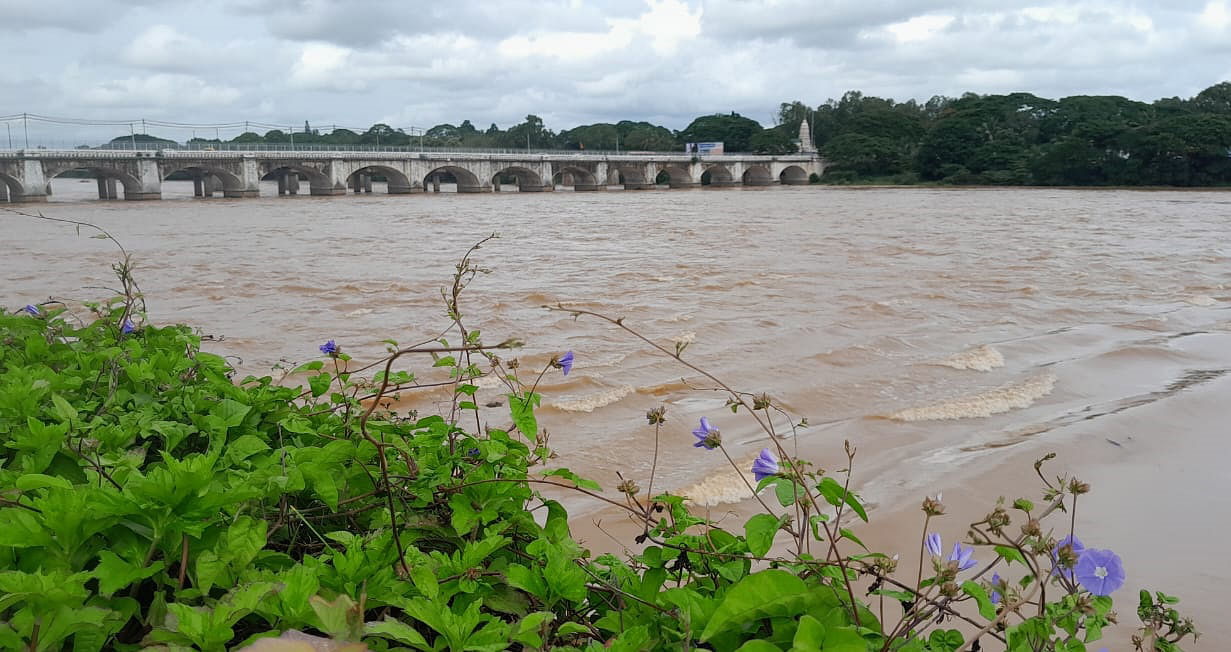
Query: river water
x=937 y=329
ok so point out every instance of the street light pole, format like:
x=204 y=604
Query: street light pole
x=132 y=135
x=25 y=126
x=9 y=128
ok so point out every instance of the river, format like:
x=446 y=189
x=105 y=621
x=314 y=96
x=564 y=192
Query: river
x=944 y=332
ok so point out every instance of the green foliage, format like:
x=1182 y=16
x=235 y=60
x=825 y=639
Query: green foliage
x=733 y=130
x=149 y=499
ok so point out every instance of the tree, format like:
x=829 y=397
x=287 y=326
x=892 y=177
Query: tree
x=778 y=140
x=649 y=138
x=734 y=130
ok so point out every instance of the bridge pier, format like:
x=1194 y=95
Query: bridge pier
x=436 y=183
x=106 y=188
x=4 y=193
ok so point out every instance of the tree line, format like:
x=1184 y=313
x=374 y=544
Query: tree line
x=1022 y=139
x=738 y=133
x=1013 y=139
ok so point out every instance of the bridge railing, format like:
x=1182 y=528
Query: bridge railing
x=321 y=147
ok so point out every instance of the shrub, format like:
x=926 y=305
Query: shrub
x=150 y=500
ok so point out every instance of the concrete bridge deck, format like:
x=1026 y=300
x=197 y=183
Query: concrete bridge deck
x=138 y=174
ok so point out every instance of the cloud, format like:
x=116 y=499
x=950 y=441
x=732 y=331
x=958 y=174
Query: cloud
x=579 y=61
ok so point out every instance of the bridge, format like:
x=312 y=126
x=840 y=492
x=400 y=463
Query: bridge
x=139 y=174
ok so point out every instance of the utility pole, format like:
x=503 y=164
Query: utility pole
x=26 y=127
x=132 y=135
x=9 y=129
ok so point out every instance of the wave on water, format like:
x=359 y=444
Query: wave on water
x=359 y=312
x=591 y=402
x=723 y=487
x=1203 y=300
x=979 y=358
x=983 y=404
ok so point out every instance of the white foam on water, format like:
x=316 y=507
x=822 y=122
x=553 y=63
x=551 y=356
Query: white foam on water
x=591 y=402
x=983 y=404
x=1203 y=300
x=979 y=358
x=723 y=487
x=359 y=312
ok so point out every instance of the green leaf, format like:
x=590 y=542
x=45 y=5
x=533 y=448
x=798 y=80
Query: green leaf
x=844 y=639
x=786 y=490
x=63 y=410
x=32 y=481
x=1010 y=554
x=231 y=412
x=945 y=640
x=522 y=411
x=810 y=634
x=835 y=494
x=769 y=593
x=758 y=645
x=114 y=573
x=320 y=384
x=397 y=631
x=847 y=534
x=986 y=608
x=570 y=628
x=528 y=630
x=577 y=480
x=760 y=531
x=446 y=361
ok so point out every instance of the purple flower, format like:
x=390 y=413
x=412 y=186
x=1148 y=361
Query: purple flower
x=33 y=310
x=566 y=362
x=962 y=555
x=1099 y=571
x=764 y=465
x=707 y=435
x=995 y=596
x=472 y=452
x=128 y=326
x=933 y=544
x=329 y=348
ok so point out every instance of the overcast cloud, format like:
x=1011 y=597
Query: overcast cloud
x=356 y=62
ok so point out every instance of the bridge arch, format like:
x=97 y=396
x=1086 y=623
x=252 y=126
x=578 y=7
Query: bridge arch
x=319 y=182
x=10 y=189
x=466 y=181
x=717 y=175
x=107 y=178
x=674 y=176
x=632 y=177
x=793 y=175
x=758 y=175
x=232 y=186
x=396 y=181
x=527 y=180
x=576 y=177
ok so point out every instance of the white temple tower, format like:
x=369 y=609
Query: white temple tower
x=806 y=146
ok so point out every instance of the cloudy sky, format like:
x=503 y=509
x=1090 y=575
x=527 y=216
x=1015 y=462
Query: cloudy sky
x=355 y=62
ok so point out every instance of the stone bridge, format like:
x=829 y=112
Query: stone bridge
x=25 y=175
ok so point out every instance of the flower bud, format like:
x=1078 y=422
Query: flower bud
x=761 y=402
x=629 y=487
x=933 y=506
x=1032 y=528
x=657 y=415
x=1077 y=487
